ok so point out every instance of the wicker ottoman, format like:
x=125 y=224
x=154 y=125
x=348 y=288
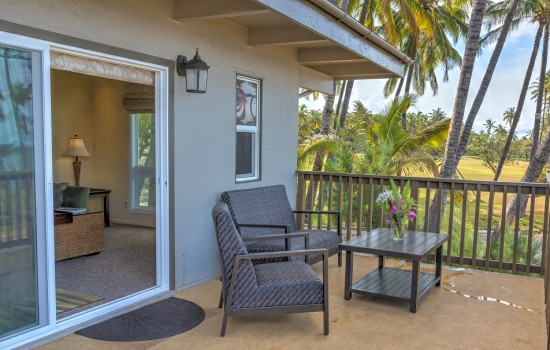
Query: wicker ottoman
x=83 y=236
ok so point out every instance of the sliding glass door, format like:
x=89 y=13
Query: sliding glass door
x=23 y=287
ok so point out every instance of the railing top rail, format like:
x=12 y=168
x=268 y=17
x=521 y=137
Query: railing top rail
x=21 y=173
x=425 y=179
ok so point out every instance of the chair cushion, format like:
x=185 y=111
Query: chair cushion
x=76 y=197
x=58 y=189
x=284 y=284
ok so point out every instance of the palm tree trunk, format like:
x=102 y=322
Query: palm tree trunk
x=344 y=5
x=345 y=105
x=364 y=10
x=410 y=71
x=398 y=91
x=340 y=98
x=540 y=97
x=319 y=155
x=480 y=96
x=536 y=164
x=521 y=102
x=349 y=83
x=468 y=62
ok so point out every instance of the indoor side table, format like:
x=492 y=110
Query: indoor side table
x=103 y=192
x=390 y=283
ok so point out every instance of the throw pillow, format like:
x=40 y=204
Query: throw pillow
x=58 y=189
x=76 y=197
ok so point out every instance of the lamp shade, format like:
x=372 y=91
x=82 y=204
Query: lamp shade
x=76 y=147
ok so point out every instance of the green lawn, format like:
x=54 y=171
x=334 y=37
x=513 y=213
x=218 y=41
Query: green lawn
x=473 y=169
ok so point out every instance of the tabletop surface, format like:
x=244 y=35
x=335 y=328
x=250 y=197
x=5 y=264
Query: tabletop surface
x=99 y=191
x=380 y=241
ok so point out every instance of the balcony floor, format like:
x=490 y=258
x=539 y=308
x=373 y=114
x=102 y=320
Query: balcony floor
x=473 y=310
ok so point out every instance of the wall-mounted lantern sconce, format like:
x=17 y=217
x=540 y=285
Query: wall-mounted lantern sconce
x=195 y=72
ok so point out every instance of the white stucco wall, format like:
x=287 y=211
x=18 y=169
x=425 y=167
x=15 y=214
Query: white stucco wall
x=204 y=142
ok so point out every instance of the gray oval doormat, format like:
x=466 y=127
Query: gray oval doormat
x=163 y=319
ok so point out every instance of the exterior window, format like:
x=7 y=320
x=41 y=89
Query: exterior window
x=142 y=173
x=248 y=115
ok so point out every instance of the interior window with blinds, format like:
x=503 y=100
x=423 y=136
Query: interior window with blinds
x=139 y=102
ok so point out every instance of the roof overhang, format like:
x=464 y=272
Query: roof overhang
x=328 y=42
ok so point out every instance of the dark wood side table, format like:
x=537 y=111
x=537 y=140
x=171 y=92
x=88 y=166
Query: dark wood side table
x=105 y=194
x=61 y=218
x=390 y=283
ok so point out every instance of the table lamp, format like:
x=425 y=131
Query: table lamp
x=76 y=149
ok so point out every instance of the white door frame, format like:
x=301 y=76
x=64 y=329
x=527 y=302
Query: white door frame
x=119 y=306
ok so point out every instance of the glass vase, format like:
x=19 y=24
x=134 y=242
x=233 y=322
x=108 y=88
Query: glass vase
x=398 y=230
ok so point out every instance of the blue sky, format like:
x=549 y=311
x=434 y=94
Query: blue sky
x=503 y=91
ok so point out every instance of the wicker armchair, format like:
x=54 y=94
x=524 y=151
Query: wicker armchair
x=264 y=211
x=255 y=289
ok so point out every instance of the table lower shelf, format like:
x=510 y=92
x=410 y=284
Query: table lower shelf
x=393 y=283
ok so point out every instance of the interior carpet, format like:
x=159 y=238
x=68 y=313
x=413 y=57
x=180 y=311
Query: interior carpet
x=162 y=319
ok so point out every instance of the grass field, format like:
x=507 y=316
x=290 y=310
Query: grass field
x=473 y=169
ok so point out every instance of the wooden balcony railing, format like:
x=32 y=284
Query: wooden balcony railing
x=16 y=208
x=547 y=291
x=471 y=215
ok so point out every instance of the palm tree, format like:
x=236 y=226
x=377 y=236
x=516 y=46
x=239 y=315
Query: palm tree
x=502 y=34
x=428 y=42
x=540 y=97
x=325 y=126
x=508 y=115
x=423 y=30
x=489 y=124
x=500 y=130
x=533 y=171
x=448 y=167
x=535 y=11
x=383 y=147
x=437 y=114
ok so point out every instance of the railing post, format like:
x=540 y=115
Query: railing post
x=300 y=200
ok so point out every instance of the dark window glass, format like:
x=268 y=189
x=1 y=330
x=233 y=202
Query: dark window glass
x=245 y=154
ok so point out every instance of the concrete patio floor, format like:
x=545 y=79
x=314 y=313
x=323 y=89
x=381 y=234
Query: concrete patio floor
x=473 y=310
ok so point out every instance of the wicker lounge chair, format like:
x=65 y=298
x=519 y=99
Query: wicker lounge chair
x=277 y=287
x=266 y=211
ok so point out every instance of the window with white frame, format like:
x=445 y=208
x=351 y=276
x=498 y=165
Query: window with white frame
x=248 y=115
x=142 y=172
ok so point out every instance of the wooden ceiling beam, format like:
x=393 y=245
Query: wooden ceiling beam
x=290 y=34
x=327 y=55
x=210 y=9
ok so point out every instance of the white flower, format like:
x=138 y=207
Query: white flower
x=384 y=196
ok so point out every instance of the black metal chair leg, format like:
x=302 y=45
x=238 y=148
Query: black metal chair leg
x=340 y=259
x=221 y=299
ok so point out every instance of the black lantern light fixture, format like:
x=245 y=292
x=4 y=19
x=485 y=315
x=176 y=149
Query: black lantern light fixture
x=195 y=72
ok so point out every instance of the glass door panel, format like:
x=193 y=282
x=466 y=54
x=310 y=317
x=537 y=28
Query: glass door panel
x=20 y=92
